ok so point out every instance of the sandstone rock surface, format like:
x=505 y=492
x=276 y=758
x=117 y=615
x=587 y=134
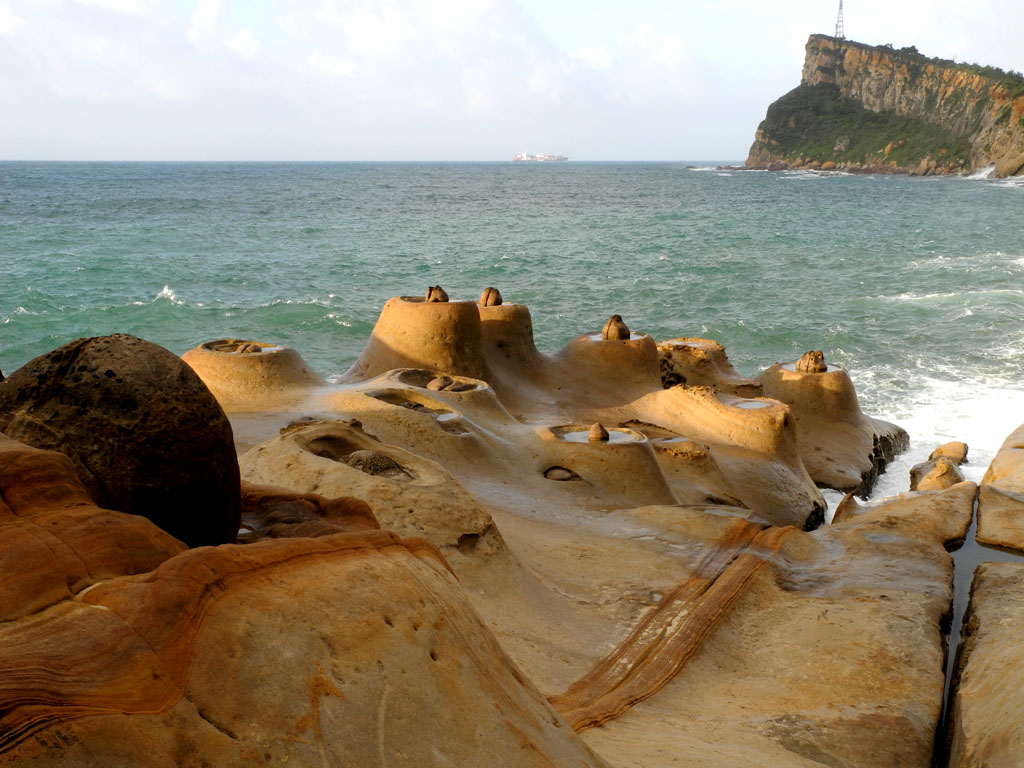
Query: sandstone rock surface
x=1001 y=496
x=988 y=711
x=350 y=649
x=144 y=432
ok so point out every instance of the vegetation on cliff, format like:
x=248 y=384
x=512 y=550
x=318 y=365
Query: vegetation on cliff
x=817 y=123
x=875 y=108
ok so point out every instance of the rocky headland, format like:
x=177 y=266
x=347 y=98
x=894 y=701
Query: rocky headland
x=470 y=553
x=876 y=109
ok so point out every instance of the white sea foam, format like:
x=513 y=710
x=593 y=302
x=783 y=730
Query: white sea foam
x=167 y=293
x=983 y=173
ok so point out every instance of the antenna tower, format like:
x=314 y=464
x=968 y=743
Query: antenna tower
x=840 y=32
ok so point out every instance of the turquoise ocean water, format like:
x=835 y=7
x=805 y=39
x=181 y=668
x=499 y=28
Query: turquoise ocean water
x=915 y=285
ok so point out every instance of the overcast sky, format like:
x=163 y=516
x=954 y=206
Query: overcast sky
x=434 y=79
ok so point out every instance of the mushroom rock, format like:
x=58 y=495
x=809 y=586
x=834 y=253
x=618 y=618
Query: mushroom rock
x=491 y=297
x=436 y=293
x=812 y=362
x=987 y=718
x=840 y=446
x=55 y=542
x=597 y=433
x=934 y=475
x=339 y=650
x=443 y=336
x=604 y=375
x=511 y=353
x=421 y=498
x=753 y=443
x=146 y=435
x=251 y=375
x=615 y=329
x=702 y=362
x=954 y=451
x=1001 y=496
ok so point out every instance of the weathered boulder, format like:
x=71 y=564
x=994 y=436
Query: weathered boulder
x=955 y=451
x=935 y=474
x=988 y=705
x=1001 y=496
x=144 y=432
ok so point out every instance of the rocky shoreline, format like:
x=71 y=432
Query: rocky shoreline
x=467 y=552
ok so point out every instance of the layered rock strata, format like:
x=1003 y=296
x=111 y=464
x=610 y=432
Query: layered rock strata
x=876 y=109
x=329 y=650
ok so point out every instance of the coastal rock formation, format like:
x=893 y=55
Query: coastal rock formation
x=615 y=329
x=251 y=374
x=702 y=362
x=121 y=647
x=935 y=475
x=1001 y=496
x=840 y=446
x=988 y=709
x=876 y=109
x=467 y=552
x=955 y=451
x=55 y=542
x=144 y=432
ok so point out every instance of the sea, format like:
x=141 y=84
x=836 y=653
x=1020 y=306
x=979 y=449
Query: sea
x=915 y=285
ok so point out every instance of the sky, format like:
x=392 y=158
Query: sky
x=434 y=79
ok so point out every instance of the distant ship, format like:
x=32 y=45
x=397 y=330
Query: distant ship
x=526 y=157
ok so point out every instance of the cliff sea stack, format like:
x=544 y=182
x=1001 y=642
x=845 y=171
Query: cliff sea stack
x=876 y=109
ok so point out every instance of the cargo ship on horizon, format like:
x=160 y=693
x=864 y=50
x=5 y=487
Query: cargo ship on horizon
x=526 y=157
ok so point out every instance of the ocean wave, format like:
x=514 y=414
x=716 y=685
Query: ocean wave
x=910 y=296
x=982 y=173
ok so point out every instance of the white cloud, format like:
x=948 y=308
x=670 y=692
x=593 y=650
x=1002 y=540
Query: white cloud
x=9 y=21
x=244 y=43
x=203 y=22
x=331 y=66
x=122 y=6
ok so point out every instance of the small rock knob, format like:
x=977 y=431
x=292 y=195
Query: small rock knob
x=491 y=297
x=248 y=348
x=615 y=329
x=812 y=362
x=598 y=434
x=440 y=383
x=435 y=294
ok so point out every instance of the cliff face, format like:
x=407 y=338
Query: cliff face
x=876 y=108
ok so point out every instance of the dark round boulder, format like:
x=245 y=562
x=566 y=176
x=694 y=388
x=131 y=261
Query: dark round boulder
x=146 y=435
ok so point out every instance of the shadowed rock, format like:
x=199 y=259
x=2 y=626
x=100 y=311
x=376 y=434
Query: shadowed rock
x=144 y=432
x=436 y=294
x=491 y=297
x=615 y=329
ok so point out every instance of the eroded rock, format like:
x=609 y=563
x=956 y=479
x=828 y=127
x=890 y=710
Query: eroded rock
x=435 y=294
x=615 y=329
x=144 y=432
x=812 y=362
x=491 y=297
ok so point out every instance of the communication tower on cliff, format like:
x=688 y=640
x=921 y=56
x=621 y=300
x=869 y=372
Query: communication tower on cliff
x=840 y=32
